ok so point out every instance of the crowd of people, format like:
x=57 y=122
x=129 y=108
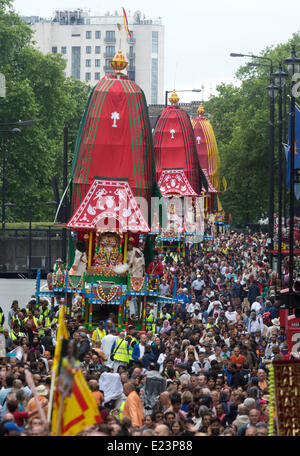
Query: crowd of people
x=201 y=371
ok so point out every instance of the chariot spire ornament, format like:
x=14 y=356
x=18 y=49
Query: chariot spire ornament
x=119 y=63
x=174 y=98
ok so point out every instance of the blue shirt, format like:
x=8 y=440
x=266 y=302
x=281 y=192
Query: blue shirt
x=183 y=300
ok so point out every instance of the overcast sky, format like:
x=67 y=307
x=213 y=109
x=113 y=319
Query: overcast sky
x=199 y=36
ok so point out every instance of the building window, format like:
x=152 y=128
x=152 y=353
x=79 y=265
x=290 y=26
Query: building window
x=63 y=49
x=155 y=42
x=110 y=36
x=131 y=50
x=88 y=62
x=87 y=76
x=54 y=50
x=97 y=34
x=75 y=34
x=88 y=49
x=75 y=61
x=88 y=34
x=97 y=62
x=110 y=51
x=97 y=76
x=154 y=81
x=97 y=49
x=131 y=75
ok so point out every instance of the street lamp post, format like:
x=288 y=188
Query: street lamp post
x=279 y=79
x=272 y=90
x=170 y=91
x=293 y=67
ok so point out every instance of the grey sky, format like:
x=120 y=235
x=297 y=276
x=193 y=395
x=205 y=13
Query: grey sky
x=199 y=36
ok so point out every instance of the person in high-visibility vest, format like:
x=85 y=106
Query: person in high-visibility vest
x=164 y=314
x=2 y=319
x=131 y=341
x=120 y=352
x=121 y=409
x=150 y=321
x=15 y=332
x=44 y=310
x=99 y=332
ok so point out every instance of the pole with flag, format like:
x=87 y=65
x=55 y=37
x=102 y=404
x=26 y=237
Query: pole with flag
x=72 y=405
x=128 y=33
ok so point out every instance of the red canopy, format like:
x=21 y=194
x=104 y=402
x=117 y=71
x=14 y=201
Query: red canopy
x=174 y=182
x=175 y=147
x=109 y=205
x=114 y=139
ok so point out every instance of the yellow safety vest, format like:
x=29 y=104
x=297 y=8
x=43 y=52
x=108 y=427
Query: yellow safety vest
x=13 y=336
x=168 y=316
x=150 y=324
x=122 y=408
x=44 y=312
x=121 y=351
x=37 y=321
x=49 y=322
x=1 y=320
x=97 y=334
x=133 y=339
x=15 y=318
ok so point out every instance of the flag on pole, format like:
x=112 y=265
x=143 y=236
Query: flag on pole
x=62 y=333
x=70 y=413
x=79 y=410
x=128 y=34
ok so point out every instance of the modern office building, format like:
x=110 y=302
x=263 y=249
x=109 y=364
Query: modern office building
x=88 y=43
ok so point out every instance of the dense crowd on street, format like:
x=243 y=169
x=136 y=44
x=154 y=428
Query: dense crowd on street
x=201 y=371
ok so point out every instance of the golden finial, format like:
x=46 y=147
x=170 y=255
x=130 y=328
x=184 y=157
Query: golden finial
x=174 y=98
x=119 y=63
x=201 y=110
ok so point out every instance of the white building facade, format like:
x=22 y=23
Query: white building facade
x=88 y=43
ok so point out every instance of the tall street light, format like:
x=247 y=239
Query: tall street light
x=271 y=89
x=170 y=91
x=25 y=123
x=279 y=78
x=293 y=67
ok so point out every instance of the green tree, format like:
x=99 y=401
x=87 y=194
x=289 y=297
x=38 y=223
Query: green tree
x=240 y=118
x=36 y=88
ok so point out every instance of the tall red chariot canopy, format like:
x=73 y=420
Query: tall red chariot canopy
x=207 y=149
x=114 y=139
x=175 y=149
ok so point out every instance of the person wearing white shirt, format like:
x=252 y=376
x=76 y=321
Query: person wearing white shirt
x=256 y=305
x=231 y=314
x=255 y=323
x=106 y=344
x=214 y=305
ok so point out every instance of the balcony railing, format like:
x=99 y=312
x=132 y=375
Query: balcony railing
x=109 y=40
x=107 y=68
x=109 y=55
x=131 y=40
x=130 y=55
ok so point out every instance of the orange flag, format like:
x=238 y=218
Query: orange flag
x=128 y=34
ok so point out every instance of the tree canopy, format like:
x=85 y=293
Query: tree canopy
x=240 y=116
x=36 y=89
